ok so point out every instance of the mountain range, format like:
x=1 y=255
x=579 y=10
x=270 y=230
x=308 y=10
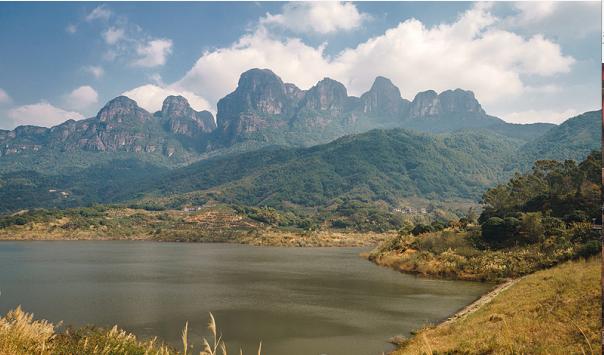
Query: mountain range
x=272 y=143
x=262 y=111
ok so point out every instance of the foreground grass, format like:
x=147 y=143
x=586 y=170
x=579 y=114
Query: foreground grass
x=20 y=334
x=554 y=311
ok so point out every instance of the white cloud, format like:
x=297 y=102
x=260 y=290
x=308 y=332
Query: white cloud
x=216 y=73
x=81 y=98
x=4 y=97
x=470 y=53
x=99 y=13
x=41 y=114
x=95 y=70
x=153 y=53
x=533 y=116
x=317 y=17
x=570 y=19
x=151 y=97
x=71 y=29
x=113 y=35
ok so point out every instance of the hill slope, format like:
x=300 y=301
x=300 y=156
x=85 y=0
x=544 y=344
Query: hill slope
x=381 y=165
x=573 y=139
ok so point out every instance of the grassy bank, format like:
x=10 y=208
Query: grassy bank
x=213 y=224
x=554 y=311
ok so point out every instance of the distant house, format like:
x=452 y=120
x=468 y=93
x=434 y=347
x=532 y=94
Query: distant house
x=191 y=208
x=405 y=210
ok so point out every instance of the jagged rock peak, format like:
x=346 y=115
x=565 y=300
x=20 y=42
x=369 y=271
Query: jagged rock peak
x=175 y=105
x=429 y=103
x=327 y=94
x=253 y=78
x=383 y=85
x=383 y=98
x=122 y=108
x=459 y=100
x=182 y=119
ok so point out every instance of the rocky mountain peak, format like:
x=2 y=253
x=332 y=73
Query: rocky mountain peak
x=180 y=118
x=120 y=109
x=384 y=98
x=459 y=100
x=326 y=95
x=258 y=90
x=175 y=105
x=429 y=103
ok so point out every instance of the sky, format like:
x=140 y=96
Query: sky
x=525 y=62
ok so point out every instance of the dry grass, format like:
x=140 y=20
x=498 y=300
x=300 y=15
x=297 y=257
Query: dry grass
x=20 y=334
x=554 y=311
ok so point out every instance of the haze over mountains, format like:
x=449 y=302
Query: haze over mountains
x=257 y=151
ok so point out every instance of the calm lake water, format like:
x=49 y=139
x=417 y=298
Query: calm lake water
x=298 y=301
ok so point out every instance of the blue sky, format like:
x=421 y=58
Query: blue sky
x=526 y=62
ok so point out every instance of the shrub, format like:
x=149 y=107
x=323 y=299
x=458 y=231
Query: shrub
x=592 y=247
x=421 y=229
x=500 y=232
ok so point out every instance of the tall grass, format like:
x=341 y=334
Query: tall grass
x=20 y=334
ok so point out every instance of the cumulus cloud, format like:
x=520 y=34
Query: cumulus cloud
x=99 y=13
x=41 y=114
x=533 y=116
x=153 y=53
x=113 y=35
x=151 y=97
x=4 y=97
x=81 y=98
x=317 y=17
x=95 y=70
x=471 y=53
x=216 y=73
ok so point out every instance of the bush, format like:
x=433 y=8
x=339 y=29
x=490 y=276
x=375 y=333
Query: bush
x=421 y=229
x=499 y=232
x=583 y=232
x=592 y=247
x=20 y=221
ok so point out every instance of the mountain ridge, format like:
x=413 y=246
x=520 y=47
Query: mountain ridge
x=263 y=110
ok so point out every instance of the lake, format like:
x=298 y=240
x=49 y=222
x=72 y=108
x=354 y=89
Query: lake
x=298 y=301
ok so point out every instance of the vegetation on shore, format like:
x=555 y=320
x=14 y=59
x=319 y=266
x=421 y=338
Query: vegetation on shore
x=554 y=311
x=534 y=221
x=213 y=224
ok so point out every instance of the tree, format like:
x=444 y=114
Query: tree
x=531 y=227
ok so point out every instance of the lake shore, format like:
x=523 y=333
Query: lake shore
x=213 y=225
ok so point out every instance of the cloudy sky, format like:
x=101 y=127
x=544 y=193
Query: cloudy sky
x=526 y=62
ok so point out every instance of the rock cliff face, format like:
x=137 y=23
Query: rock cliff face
x=430 y=104
x=261 y=101
x=179 y=118
x=384 y=99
